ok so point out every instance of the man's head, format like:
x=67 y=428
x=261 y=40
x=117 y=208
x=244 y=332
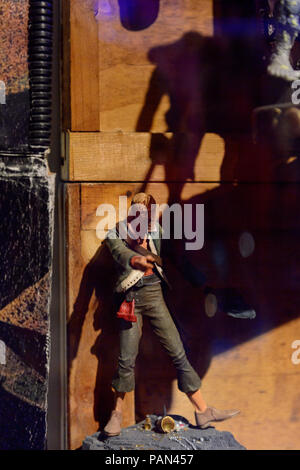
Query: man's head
x=143 y=211
x=143 y=198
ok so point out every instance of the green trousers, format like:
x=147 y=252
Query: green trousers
x=149 y=302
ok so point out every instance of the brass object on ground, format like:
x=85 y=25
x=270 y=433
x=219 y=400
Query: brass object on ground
x=165 y=424
x=148 y=424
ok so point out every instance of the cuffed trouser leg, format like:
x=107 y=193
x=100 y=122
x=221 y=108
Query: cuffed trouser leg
x=130 y=335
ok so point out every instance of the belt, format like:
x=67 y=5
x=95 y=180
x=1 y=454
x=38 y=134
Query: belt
x=148 y=280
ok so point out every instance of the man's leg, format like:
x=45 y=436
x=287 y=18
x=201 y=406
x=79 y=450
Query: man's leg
x=123 y=381
x=165 y=328
x=188 y=380
x=119 y=400
x=197 y=400
x=130 y=335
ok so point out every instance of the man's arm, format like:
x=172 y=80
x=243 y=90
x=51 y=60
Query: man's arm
x=125 y=256
x=119 y=251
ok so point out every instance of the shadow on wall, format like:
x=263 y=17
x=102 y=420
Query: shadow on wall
x=135 y=15
x=251 y=228
x=98 y=278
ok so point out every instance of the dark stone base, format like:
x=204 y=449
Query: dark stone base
x=137 y=438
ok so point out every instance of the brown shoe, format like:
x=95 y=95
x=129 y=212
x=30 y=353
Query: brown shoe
x=211 y=414
x=113 y=427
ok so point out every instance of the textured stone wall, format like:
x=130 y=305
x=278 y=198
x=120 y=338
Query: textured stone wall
x=14 y=77
x=26 y=224
x=26 y=209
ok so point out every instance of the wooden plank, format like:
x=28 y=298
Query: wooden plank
x=119 y=156
x=139 y=156
x=74 y=268
x=81 y=67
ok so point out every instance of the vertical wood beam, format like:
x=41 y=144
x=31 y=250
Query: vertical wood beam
x=80 y=78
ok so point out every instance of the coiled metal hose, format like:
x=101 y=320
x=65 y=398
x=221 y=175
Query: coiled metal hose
x=40 y=47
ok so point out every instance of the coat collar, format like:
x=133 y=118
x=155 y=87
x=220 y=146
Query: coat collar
x=153 y=235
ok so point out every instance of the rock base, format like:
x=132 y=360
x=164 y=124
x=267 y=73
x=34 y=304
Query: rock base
x=137 y=438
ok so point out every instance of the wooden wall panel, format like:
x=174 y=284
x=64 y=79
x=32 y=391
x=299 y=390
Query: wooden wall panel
x=125 y=66
x=80 y=78
x=142 y=156
x=244 y=364
x=131 y=157
x=106 y=68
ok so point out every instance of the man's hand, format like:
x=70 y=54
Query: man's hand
x=142 y=262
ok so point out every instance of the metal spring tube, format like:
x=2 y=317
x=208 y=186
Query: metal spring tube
x=40 y=70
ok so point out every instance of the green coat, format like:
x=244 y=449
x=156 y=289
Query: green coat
x=126 y=276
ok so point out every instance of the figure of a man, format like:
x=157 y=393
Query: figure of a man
x=139 y=294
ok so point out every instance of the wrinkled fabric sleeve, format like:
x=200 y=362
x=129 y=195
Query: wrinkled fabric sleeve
x=120 y=253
